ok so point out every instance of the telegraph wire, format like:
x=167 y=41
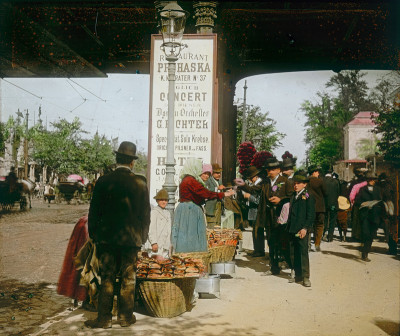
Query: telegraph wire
x=22 y=89
x=87 y=90
x=75 y=89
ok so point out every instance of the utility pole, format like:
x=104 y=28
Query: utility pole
x=26 y=146
x=244 y=120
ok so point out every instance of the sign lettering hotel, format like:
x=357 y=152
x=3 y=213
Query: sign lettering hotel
x=194 y=106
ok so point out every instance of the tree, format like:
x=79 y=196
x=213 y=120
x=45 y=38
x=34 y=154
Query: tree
x=352 y=90
x=388 y=126
x=98 y=154
x=61 y=148
x=258 y=124
x=324 y=129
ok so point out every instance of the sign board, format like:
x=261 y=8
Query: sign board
x=195 y=82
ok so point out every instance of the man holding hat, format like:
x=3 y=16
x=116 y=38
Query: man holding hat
x=214 y=207
x=277 y=191
x=119 y=218
x=300 y=221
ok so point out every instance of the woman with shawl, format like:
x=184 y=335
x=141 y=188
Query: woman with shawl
x=189 y=227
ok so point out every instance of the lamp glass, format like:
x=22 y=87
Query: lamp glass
x=173 y=20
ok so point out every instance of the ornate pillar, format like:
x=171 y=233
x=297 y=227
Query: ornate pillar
x=205 y=12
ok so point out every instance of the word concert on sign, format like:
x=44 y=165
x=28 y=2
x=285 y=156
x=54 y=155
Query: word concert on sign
x=194 y=101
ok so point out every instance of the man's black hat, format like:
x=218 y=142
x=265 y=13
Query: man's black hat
x=301 y=176
x=128 y=149
x=272 y=163
x=289 y=162
x=251 y=172
x=313 y=168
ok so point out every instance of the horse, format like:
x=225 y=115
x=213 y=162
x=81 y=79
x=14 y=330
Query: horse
x=28 y=188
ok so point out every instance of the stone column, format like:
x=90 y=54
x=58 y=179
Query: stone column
x=205 y=12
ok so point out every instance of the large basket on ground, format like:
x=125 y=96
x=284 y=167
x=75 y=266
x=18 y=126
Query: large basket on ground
x=204 y=256
x=167 y=297
x=222 y=253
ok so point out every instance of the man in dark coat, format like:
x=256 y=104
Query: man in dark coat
x=119 y=219
x=251 y=193
x=331 y=205
x=276 y=191
x=370 y=202
x=317 y=188
x=300 y=221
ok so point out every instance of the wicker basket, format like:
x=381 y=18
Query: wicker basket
x=223 y=253
x=204 y=256
x=167 y=298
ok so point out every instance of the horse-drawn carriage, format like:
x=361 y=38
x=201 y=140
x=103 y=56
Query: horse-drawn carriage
x=70 y=190
x=12 y=193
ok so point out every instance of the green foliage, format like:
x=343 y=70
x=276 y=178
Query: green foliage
x=326 y=118
x=65 y=151
x=258 y=124
x=352 y=90
x=140 y=166
x=98 y=154
x=388 y=126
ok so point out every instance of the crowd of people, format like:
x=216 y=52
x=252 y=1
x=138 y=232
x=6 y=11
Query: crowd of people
x=289 y=209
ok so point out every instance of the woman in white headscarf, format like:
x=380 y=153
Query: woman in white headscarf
x=189 y=227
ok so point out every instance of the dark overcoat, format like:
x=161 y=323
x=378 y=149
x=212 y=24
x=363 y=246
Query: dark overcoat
x=119 y=212
x=332 y=192
x=267 y=212
x=317 y=188
x=301 y=212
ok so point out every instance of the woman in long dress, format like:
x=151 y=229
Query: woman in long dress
x=189 y=228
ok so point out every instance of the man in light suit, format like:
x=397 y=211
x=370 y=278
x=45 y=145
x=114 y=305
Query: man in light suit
x=213 y=208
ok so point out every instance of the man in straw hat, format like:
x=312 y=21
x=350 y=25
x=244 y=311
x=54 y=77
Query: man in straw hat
x=300 y=221
x=119 y=218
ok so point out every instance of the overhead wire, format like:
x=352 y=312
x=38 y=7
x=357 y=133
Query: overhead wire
x=87 y=90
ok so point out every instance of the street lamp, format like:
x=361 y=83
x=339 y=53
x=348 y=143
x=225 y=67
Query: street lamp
x=172 y=25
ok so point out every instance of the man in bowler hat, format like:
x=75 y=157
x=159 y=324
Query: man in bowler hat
x=276 y=191
x=119 y=219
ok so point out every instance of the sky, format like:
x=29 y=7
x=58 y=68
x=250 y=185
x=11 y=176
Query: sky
x=118 y=106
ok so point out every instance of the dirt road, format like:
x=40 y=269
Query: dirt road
x=347 y=297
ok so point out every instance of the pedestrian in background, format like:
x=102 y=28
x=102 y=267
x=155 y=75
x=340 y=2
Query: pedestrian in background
x=331 y=205
x=316 y=187
x=119 y=218
x=369 y=200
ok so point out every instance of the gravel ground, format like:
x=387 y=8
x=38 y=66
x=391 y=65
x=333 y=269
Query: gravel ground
x=347 y=297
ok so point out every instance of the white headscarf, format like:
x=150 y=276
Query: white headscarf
x=192 y=167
